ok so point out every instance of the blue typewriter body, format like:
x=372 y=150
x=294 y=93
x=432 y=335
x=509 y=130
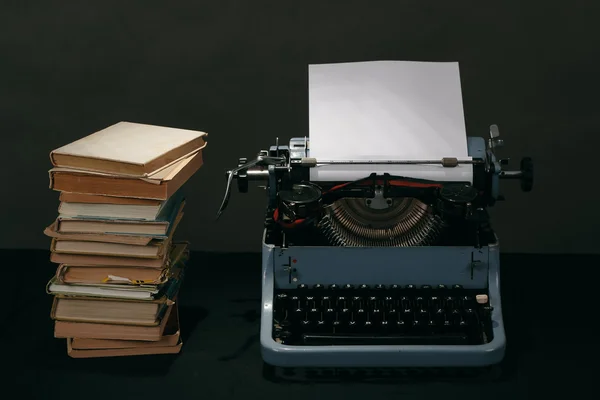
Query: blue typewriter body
x=336 y=293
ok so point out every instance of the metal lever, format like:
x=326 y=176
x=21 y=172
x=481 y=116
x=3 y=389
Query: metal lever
x=495 y=141
x=260 y=160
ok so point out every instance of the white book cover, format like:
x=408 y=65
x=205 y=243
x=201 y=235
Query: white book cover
x=134 y=144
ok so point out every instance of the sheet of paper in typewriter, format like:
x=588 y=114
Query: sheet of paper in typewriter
x=387 y=110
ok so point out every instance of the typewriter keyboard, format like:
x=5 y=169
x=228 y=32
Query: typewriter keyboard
x=381 y=315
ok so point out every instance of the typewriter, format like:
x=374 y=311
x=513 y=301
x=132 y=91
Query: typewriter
x=385 y=271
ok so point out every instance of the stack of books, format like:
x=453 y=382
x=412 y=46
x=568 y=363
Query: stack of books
x=119 y=267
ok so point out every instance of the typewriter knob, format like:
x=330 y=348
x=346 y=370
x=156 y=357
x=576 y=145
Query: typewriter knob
x=303 y=200
x=455 y=199
x=526 y=174
x=242 y=176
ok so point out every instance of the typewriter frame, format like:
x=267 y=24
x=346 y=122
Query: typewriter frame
x=472 y=267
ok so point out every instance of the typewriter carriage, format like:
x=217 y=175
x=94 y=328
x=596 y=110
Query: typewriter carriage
x=379 y=210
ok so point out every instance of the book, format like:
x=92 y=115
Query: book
x=95 y=330
x=52 y=231
x=124 y=276
x=163 y=214
x=118 y=310
x=158 y=186
x=70 y=197
x=132 y=351
x=128 y=148
x=121 y=282
x=169 y=337
x=103 y=290
x=109 y=310
x=98 y=274
x=112 y=211
x=91 y=260
x=154 y=249
x=160 y=228
x=118 y=287
x=113 y=227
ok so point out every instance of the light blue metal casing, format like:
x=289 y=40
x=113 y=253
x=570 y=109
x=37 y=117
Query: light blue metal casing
x=475 y=268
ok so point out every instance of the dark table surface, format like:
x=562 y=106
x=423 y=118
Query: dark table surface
x=548 y=306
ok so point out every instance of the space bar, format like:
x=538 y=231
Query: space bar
x=379 y=340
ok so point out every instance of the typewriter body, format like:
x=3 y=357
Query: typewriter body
x=385 y=271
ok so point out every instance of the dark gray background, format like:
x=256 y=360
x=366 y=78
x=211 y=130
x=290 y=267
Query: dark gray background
x=238 y=70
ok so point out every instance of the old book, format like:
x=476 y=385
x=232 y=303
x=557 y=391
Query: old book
x=93 y=330
x=115 y=227
x=132 y=351
x=69 y=197
x=161 y=228
x=145 y=312
x=154 y=249
x=158 y=186
x=170 y=337
x=91 y=260
x=109 y=310
x=98 y=274
x=104 y=210
x=128 y=148
x=112 y=211
x=125 y=276
x=116 y=291
x=52 y=231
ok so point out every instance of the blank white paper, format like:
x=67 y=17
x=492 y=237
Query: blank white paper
x=387 y=110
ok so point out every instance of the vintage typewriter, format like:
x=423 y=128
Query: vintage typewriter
x=385 y=271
